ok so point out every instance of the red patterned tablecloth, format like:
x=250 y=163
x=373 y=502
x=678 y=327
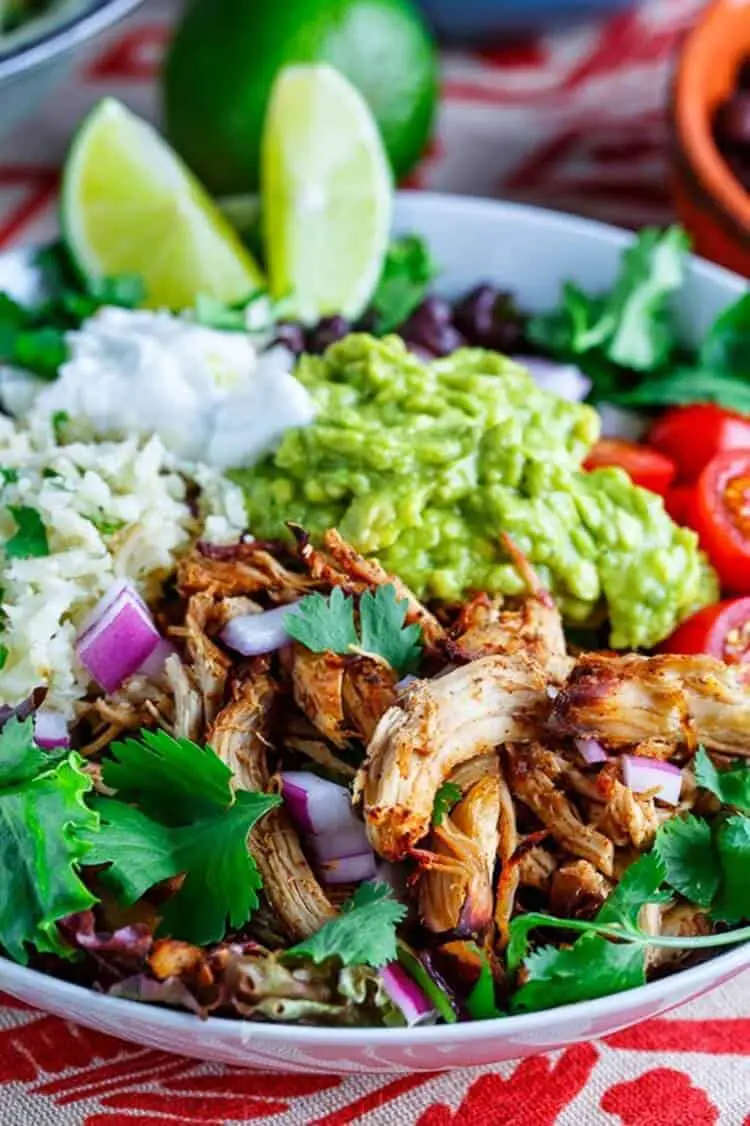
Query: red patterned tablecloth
x=574 y=122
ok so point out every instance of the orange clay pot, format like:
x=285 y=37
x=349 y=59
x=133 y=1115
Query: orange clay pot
x=711 y=203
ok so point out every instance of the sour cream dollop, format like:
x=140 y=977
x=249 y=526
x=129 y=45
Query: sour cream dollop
x=211 y=396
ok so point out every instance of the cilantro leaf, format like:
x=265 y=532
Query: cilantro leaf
x=321 y=623
x=128 y=291
x=8 y=475
x=731 y=787
x=481 y=1003
x=686 y=848
x=733 y=846
x=138 y=850
x=4 y=654
x=20 y=757
x=40 y=350
x=407 y=272
x=726 y=346
x=382 y=618
x=685 y=385
x=222 y=879
x=593 y=967
x=640 y=884
x=59 y=420
x=363 y=934
x=172 y=780
x=43 y=824
x=446 y=796
x=30 y=539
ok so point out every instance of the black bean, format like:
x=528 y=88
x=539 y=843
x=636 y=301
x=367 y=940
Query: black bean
x=292 y=336
x=326 y=332
x=489 y=318
x=429 y=327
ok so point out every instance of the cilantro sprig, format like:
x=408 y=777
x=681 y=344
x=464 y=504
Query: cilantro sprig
x=188 y=821
x=363 y=934
x=30 y=538
x=407 y=272
x=327 y=624
x=627 y=340
x=731 y=787
x=610 y=954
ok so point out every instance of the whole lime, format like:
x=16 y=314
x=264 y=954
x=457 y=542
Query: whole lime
x=226 y=53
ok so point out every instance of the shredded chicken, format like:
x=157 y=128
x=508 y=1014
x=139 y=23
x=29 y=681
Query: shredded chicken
x=683 y=920
x=532 y=785
x=434 y=727
x=239 y=738
x=209 y=666
x=318 y=686
x=508 y=875
x=577 y=890
x=628 y=817
x=368 y=691
x=535 y=868
x=188 y=707
x=455 y=891
x=624 y=700
x=487 y=626
x=241 y=569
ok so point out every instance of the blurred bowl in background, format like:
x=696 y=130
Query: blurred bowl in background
x=36 y=57
x=470 y=20
x=711 y=202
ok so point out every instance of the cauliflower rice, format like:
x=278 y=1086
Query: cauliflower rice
x=111 y=510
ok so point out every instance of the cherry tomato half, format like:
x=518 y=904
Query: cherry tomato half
x=678 y=501
x=722 y=630
x=645 y=467
x=720 y=514
x=692 y=435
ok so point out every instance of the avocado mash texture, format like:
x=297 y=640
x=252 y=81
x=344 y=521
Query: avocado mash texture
x=425 y=465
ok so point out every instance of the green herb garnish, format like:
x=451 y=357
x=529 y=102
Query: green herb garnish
x=363 y=934
x=407 y=272
x=326 y=624
x=30 y=539
x=445 y=798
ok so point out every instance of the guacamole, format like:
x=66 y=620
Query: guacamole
x=425 y=465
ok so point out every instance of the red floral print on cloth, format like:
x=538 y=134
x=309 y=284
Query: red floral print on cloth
x=533 y=1095
x=644 y=1101
x=116 y=1072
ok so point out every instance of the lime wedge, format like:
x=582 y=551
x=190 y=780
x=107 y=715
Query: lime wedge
x=129 y=205
x=326 y=191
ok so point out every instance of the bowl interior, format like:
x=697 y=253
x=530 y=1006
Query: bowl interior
x=705 y=78
x=531 y=252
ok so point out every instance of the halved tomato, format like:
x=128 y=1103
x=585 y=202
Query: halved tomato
x=722 y=630
x=645 y=467
x=694 y=434
x=720 y=514
x=678 y=501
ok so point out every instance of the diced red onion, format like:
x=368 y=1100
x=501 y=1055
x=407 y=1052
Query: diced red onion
x=565 y=380
x=348 y=869
x=405 y=681
x=51 y=730
x=406 y=995
x=115 y=645
x=153 y=666
x=619 y=422
x=255 y=634
x=646 y=774
x=114 y=594
x=334 y=835
x=591 y=750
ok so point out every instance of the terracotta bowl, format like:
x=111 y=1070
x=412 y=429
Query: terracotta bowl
x=711 y=202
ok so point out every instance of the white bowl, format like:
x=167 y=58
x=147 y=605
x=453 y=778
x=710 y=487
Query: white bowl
x=531 y=252
x=40 y=54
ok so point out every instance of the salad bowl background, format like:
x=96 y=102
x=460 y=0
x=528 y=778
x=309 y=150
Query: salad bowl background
x=40 y=55
x=530 y=251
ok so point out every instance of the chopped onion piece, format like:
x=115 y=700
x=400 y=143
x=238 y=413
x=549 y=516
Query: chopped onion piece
x=619 y=422
x=591 y=750
x=115 y=593
x=255 y=634
x=348 y=869
x=565 y=380
x=405 y=681
x=153 y=666
x=317 y=805
x=650 y=774
x=51 y=730
x=347 y=841
x=406 y=995
x=115 y=646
